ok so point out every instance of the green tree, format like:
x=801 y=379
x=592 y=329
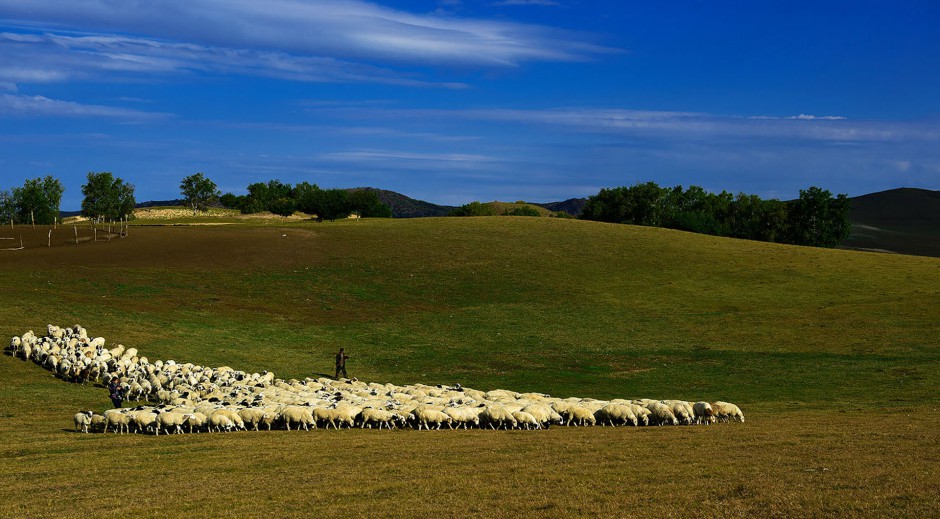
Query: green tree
x=107 y=197
x=7 y=207
x=366 y=204
x=231 y=201
x=273 y=195
x=334 y=203
x=818 y=219
x=199 y=192
x=474 y=209
x=522 y=210
x=38 y=200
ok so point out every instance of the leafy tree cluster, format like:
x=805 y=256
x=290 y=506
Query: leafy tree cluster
x=37 y=201
x=521 y=210
x=199 y=192
x=107 y=197
x=816 y=218
x=328 y=204
x=473 y=209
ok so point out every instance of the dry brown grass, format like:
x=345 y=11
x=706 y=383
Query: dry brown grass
x=857 y=463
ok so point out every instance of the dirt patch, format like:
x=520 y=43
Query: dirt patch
x=168 y=246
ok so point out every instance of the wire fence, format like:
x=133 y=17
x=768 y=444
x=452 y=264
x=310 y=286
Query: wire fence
x=16 y=237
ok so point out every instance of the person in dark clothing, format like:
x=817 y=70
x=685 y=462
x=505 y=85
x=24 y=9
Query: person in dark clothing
x=116 y=392
x=341 y=363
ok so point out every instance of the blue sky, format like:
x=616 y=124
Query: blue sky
x=458 y=100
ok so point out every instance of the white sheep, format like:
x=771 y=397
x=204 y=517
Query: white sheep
x=496 y=416
x=465 y=417
x=704 y=414
x=220 y=422
x=117 y=419
x=526 y=420
x=378 y=417
x=171 y=421
x=661 y=414
x=426 y=416
x=299 y=415
x=726 y=411
x=83 y=420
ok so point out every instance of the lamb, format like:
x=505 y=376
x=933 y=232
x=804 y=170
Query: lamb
x=83 y=420
x=726 y=411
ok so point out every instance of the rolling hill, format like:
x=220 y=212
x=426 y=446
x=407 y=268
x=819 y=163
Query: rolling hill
x=832 y=354
x=905 y=221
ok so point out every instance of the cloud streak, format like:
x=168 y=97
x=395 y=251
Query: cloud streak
x=341 y=29
x=674 y=125
x=39 y=106
x=53 y=58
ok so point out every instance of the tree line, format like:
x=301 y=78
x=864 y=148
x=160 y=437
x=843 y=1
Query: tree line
x=38 y=200
x=816 y=218
x=107 y=197
x=328 y=204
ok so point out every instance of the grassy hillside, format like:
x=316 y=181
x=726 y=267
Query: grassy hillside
x=832 y=354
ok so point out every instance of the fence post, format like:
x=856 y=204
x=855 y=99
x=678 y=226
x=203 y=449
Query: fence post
x=33 y=218
x=75 y=227
x=50 y=237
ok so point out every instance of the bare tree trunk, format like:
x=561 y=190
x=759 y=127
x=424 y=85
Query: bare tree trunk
x=33 y=218
x=75 y=227
x=50 y=237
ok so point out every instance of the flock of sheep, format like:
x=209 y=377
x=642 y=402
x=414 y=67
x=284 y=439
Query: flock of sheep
x=190 y=398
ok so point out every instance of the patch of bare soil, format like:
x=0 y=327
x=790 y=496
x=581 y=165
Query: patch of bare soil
x=166 y=246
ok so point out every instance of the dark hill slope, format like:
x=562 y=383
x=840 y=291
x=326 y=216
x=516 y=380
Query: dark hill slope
x=905 y=220
x=405 y=207
x=572 y=206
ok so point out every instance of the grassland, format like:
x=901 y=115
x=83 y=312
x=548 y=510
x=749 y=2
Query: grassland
x=833 y=355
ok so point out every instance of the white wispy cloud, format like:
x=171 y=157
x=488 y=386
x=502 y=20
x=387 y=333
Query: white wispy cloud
x=526 y=2
x=672 y=124
x=50 y=58
x=340 y=29
x=411 y=160
x=39 y=106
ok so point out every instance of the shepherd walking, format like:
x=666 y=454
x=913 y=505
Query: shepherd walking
x=341 y=363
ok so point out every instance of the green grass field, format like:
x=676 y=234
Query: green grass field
x=833 y=356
